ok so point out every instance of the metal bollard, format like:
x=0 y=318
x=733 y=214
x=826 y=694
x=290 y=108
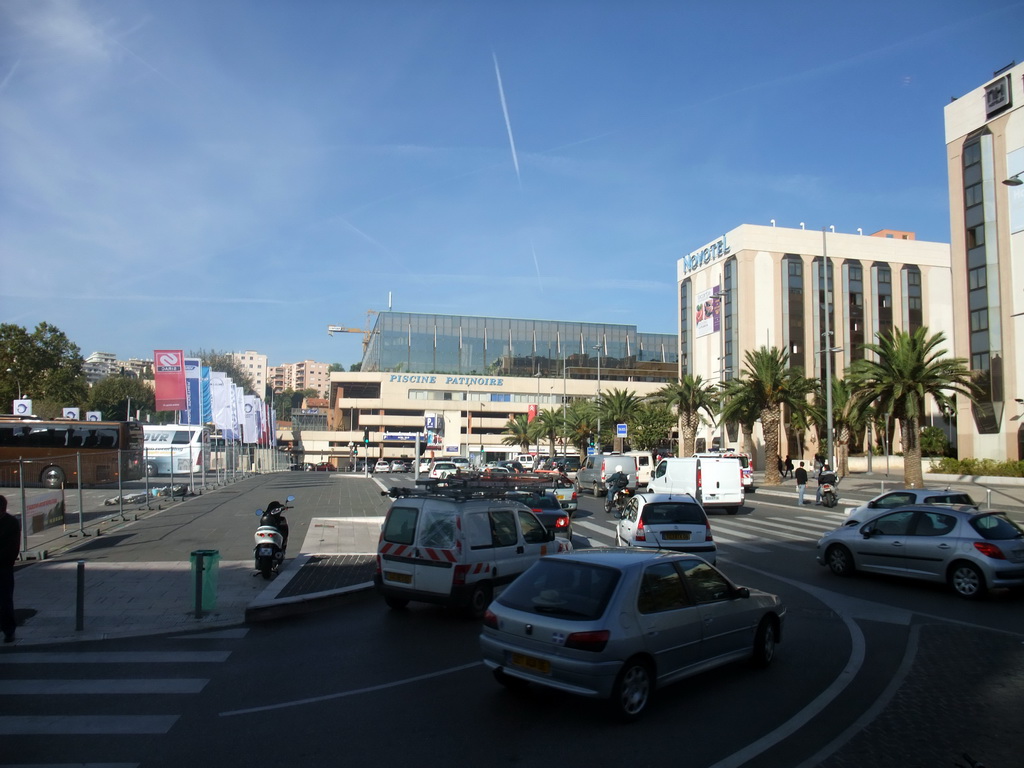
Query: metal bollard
x=80 y=598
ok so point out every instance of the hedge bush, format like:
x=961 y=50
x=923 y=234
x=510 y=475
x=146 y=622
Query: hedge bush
x=986 y=467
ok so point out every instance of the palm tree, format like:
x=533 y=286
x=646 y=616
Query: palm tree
x=909 y=368
x=548 y=424
x=737 y=404
x=770 y=383
x=849 y=415
x=518 y=431
x=581 y=424
x=690 y=395
x=618 y=406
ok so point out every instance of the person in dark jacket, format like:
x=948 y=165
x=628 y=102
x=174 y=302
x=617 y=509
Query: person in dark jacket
x=789 y=466
x=801 y=483
x=825 y=476
x=10 y=544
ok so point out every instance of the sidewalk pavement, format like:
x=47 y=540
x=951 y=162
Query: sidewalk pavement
x=126 y=599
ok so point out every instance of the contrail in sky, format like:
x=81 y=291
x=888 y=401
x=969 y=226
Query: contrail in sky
x=9 y=75
x=508 y=123
x=536 y=264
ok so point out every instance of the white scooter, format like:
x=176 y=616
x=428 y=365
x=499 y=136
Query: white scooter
x=269 y=549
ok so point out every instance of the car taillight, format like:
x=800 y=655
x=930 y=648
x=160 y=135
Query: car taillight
x=588 y=641
x=574 y=495
x=989 y=550
x=562 y=522
x=490 y=620
x=459 y=576
x=641 y=534
x=707 y=529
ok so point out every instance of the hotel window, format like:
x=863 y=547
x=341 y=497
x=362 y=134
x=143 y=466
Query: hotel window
x=793 y=309
x=883 y=298
x=729 y=320
x=912 y=310
x=684 y=327
x=854 y=279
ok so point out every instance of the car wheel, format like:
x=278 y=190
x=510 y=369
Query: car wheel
x=479 y=599
x=52 y=477
x=596 y=490
x=764 y=642
x=967 y=580
x=510 y=682
x=396 y=603
x=839 y=560
x=633 y=688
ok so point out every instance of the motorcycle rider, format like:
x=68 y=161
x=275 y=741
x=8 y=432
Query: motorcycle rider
x=615 y=482
x=275 y=519
x=825 y=477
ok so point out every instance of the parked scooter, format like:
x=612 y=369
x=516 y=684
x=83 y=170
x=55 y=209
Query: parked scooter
x=271 y=538
x=619 y=501
x=830 y=494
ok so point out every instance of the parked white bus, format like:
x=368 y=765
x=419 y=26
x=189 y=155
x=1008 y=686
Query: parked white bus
x=182 y=447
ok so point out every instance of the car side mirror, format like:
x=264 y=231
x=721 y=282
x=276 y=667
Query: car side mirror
x=872 y=505
x=867 y=531
x=742 y=592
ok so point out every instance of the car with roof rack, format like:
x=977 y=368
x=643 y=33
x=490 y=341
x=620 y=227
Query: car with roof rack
x=457 y=542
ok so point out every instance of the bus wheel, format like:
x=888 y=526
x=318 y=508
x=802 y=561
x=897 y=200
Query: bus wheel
x=150 y=469
x=52 y=477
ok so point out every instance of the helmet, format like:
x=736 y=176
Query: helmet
x=618 y=467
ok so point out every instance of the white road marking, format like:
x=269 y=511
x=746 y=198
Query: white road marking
x=91 y=725
x=98 y=686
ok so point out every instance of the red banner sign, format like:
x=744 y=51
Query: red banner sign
x=531 y=413
x=169 y=375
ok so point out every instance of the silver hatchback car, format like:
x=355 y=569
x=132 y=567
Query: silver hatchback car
x=972 y=551
x=675 y=522
x=903 y=497
x=617 y=623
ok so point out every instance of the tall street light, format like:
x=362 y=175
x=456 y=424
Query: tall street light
x=597 y=446
x=827 y=346
x=16 y=379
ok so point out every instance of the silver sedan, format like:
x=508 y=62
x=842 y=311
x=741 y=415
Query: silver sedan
x=972 y=551
x=616 y=623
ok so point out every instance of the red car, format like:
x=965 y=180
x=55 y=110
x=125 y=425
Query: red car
x=324 y=466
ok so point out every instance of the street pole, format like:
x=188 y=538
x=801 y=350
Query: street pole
x=597 y=445
x=828 y=354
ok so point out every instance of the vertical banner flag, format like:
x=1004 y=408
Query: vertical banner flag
x=94 y=416
x=249 y=406
x=72 y=413
x=204 y=394
x=531 y=411
x=193 y=393
x=169 y=373
x=22 y=407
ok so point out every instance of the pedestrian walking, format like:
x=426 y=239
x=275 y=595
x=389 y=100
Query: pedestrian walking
x=10 y=543
x=782 y=468
x=801 y=483
x=789 y=466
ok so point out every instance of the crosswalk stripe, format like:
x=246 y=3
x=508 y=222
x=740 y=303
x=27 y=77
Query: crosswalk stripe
x=93 y=725
x=118 y=657
x=96 y=686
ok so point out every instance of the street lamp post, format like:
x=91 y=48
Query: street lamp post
x=828 y=352
x=597 y=447
x=17 y=380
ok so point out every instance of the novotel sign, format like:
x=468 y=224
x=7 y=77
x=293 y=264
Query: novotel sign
x=716 y=249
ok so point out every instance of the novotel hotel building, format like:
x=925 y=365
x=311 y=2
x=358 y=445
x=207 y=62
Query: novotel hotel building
x=456 y=381
x=766 y=286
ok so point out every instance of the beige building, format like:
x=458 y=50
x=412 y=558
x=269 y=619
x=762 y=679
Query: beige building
x=765 y=286
x=298 y=376
x=985 y=155
x=255 y=365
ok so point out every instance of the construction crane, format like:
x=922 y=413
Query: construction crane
x=333 y=329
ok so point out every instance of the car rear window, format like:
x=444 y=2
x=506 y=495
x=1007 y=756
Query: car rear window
x=572 y=590
x=400 y=527
x=996 y=527
x=673 y=513
x=951 y=498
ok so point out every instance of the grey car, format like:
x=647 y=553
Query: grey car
x=674 y=522
x=902 y=497
x=972 y=551
x=617 y=623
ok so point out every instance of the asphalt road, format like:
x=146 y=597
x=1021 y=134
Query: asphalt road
x=364 y=685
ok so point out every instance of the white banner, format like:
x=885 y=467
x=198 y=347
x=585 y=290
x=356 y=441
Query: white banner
x=94 y=415
x=72 y=413
x=22 y=407
x=250 y=427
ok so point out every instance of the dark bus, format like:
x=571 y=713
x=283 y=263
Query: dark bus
x=51 y=452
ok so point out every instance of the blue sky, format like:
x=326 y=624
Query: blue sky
x=238 y=175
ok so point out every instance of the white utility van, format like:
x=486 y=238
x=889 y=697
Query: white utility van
x=644 y=465
x=455 y=549
x=715 y=482
x=600 y=466
x=527 y=460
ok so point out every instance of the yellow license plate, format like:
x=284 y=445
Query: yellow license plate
x=676 y=536
x=401 y=578
x=533 y=664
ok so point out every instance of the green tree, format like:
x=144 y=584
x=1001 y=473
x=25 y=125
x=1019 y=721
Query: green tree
x=934 y=442
x=618 y=406
x=908 y=369
x=690 y=396
x=849 y=416
x=111 y=395
x=45 y=365
x=767 y=383
x=519 y=432
x=288 y=399
x=738 y=404
x=651 y=427
x=224 y=362
x=548 y=424
x=581 y=424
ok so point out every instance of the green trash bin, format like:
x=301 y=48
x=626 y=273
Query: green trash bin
x=204 y=579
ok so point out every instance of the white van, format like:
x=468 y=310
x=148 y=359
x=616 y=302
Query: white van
x=644 y=465
x=450 y=549
x=715 y=482
x=527 y=460
x=598 y=467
